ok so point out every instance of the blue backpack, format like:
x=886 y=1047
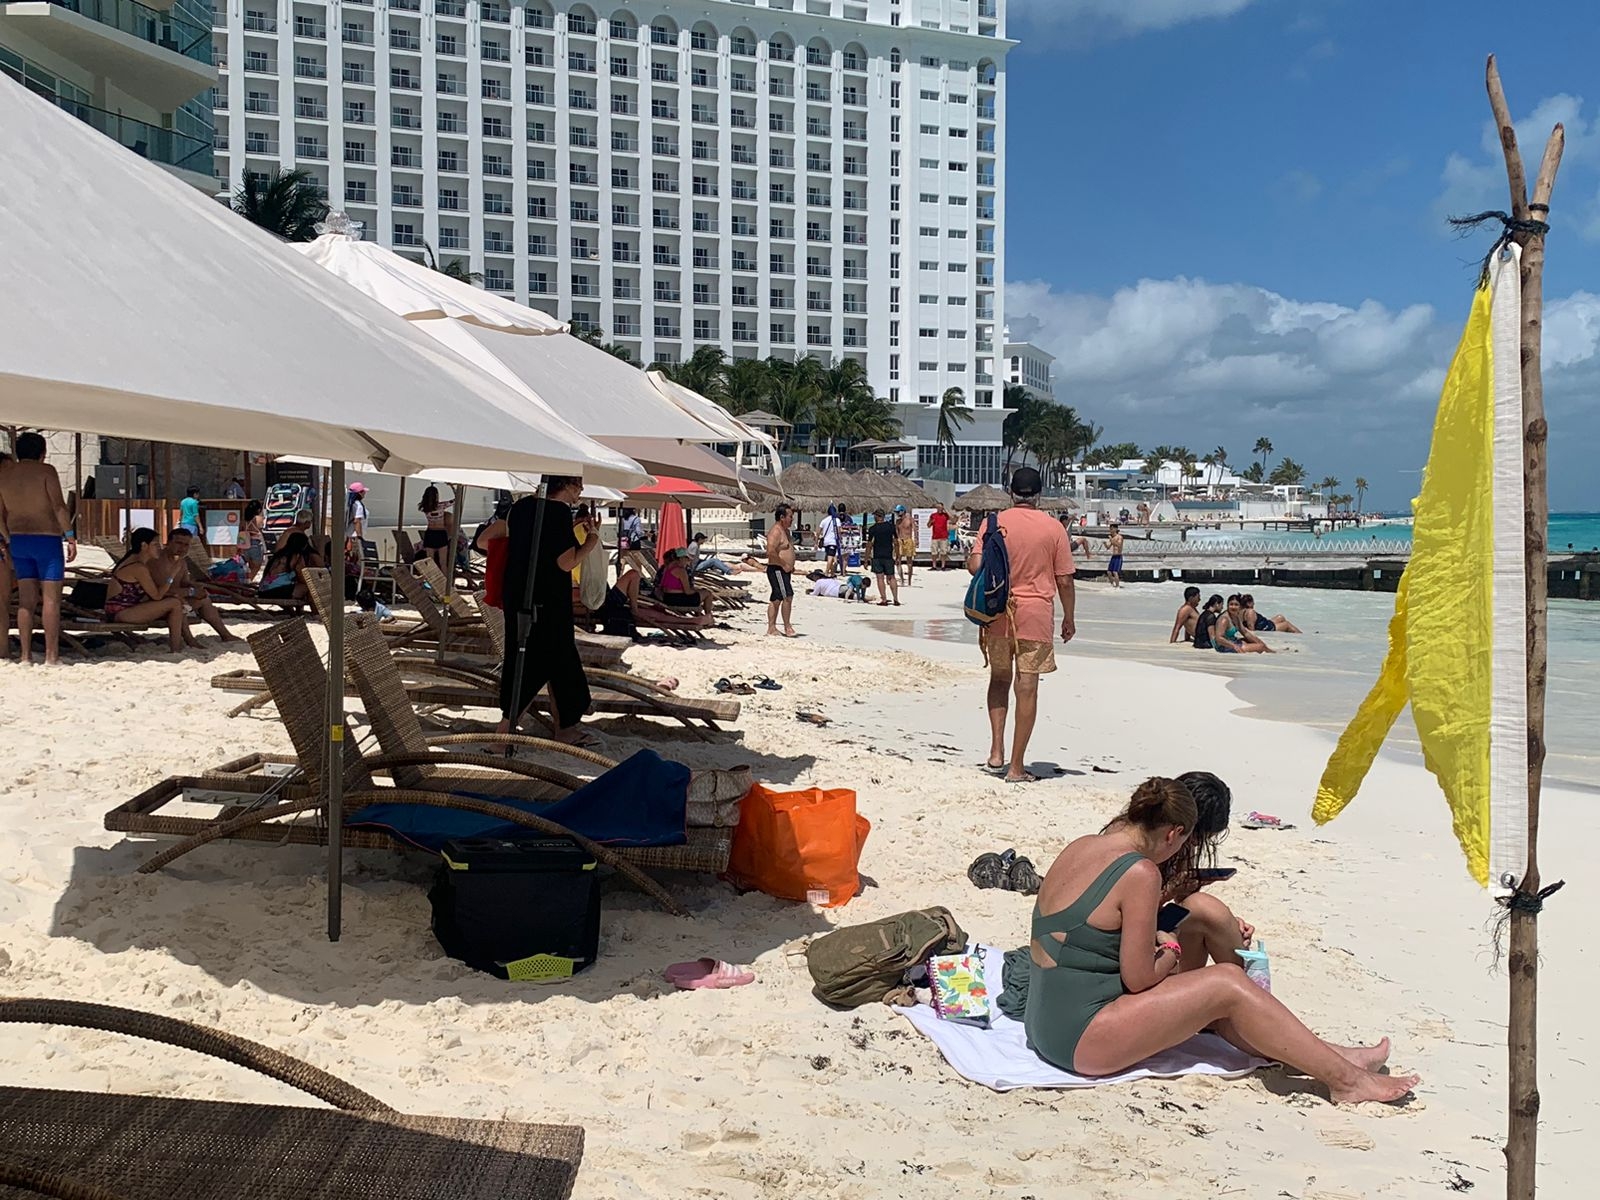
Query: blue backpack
x=989 y=593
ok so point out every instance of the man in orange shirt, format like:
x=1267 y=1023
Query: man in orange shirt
x=1021 y=647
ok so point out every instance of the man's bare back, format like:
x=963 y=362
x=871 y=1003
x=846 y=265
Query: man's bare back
x=31 y=499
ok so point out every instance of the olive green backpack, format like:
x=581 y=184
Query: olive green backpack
x=867 y=964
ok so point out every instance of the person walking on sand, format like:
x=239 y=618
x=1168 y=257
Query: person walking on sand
x=881 y=543
x=37 y=531
x=1019 y=645
x=780 y=572
x=1114 y=548
x=828 y=539
x=939 y=536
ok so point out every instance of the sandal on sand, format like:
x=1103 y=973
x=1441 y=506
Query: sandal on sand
x=1027 y=777
x=767 y=684
x=707 y=973
x=1261 y=820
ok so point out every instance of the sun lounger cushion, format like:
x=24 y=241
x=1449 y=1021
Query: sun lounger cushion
x=640 y=802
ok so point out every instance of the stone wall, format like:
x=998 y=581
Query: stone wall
x=204 y=467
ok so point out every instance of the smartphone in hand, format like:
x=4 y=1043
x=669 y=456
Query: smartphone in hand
x=1170 y=917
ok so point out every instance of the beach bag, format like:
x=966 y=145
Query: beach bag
x=989 y=593
x=868 y=964
x=592 y=587
x=803 y=846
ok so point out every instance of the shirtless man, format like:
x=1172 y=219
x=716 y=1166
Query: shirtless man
x=34 y=520
x=172 y=569
x=1114 y=547
x=905 y=534
x=1188 y=616
x=780 y=571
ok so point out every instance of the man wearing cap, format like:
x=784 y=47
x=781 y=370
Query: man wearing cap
x=1020 y=646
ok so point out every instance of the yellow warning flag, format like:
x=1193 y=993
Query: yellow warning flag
x=1456 y=647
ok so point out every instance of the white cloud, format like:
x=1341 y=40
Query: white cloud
x=1477 y=182
x=1347 y=390
x=1089 y=20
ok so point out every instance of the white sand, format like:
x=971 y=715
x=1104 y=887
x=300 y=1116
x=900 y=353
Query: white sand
x=1373 y=924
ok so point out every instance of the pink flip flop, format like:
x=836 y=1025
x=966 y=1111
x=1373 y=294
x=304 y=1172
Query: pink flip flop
x=707 y=973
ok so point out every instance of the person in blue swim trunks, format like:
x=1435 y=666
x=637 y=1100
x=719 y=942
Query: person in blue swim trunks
x=34 y=521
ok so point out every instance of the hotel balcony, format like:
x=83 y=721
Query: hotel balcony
x=155 y=57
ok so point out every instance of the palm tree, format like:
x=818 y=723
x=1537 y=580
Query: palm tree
x=1184 y=457
x=1156 y=459
x=839 y=383
x=1361 y=493
x=1022 y=410
x=1263 y=448
x=704 y=372
x=747 y=381
x=953 y=416
x=288 y=204
x=456 y=268
x=1327 y=487
x=1219 y=457
x=1287 y=472
x=1254 y=473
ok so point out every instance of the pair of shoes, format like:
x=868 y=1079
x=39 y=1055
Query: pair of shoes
x=1006 y=871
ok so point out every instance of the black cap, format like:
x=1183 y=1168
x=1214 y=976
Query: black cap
x=1026 y=482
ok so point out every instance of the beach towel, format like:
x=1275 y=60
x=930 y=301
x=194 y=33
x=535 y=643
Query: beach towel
x=640 y=802
x=998 y=1057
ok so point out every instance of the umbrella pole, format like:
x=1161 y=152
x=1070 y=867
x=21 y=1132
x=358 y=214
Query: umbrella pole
x=400 y=508
x=1523 y=963
x=333 y=760
x=77 y=482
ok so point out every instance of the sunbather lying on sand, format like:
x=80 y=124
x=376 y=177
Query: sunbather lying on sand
x=1105 y=991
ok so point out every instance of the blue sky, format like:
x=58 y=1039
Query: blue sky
x=1227 y=218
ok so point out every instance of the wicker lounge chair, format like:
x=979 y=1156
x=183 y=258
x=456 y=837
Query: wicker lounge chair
x=110 y=1146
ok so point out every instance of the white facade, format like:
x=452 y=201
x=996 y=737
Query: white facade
x=132 y=71
x=1032 y=368
x=774 y=177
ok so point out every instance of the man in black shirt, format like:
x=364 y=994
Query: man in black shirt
x=881 y=544
x=552 y=646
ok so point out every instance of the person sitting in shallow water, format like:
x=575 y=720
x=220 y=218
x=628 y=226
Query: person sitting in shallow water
x=1105 y=991
x=1253 y=620
x=1232 y=636
x=1188 y=616
x=1205 y=626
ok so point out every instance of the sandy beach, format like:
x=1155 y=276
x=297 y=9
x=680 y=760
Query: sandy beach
x=762 y=1092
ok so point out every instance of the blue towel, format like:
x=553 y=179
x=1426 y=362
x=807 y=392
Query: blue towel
x=640 y=802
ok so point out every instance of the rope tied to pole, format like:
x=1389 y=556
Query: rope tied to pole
x=1519 y=901
x=1510 y=227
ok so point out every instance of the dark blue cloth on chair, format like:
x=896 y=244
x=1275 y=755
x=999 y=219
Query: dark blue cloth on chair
x=640 y=802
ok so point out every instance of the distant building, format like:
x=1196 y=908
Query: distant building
x=1031 y=368
x=141 y=75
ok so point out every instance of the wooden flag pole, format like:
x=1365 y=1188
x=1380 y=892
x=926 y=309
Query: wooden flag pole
x=1522 y=1038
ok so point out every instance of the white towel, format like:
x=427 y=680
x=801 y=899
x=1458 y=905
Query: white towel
x=999 y=1058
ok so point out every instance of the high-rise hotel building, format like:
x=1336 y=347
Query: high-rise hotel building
x=774 y=177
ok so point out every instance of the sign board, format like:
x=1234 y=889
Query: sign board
x=135 y=518
x=920 y=516
x=222 y=528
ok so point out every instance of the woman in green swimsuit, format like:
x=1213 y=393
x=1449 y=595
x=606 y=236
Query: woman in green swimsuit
x=1105 y=992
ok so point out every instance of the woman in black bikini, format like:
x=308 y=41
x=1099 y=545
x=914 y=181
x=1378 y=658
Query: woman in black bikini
x=141 y=600
x=436 y=537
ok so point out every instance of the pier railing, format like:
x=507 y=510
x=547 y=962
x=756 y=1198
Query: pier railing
x=1266 y=548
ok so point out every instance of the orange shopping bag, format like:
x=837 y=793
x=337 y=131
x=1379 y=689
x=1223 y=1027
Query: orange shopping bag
x=802 y=845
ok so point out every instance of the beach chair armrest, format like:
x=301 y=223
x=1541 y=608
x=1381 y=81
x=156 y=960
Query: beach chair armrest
x=525 y=742
x=492 y=766
x=214 y=1043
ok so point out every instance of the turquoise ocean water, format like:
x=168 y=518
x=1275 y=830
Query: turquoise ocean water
x=1569 y=532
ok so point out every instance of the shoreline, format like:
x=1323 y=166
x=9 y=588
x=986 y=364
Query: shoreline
x=1373 y=926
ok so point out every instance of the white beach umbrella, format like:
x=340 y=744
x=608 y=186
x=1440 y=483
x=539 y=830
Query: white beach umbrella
x=607 y=398
x=419 y=294
x=713 y=414
x=134 y=306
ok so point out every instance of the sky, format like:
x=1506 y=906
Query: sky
x=1227 y=219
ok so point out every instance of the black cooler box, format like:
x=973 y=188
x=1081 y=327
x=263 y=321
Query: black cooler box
x=527 y=909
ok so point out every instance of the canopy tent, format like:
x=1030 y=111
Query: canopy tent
x=984 y=499
x=102 y=237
